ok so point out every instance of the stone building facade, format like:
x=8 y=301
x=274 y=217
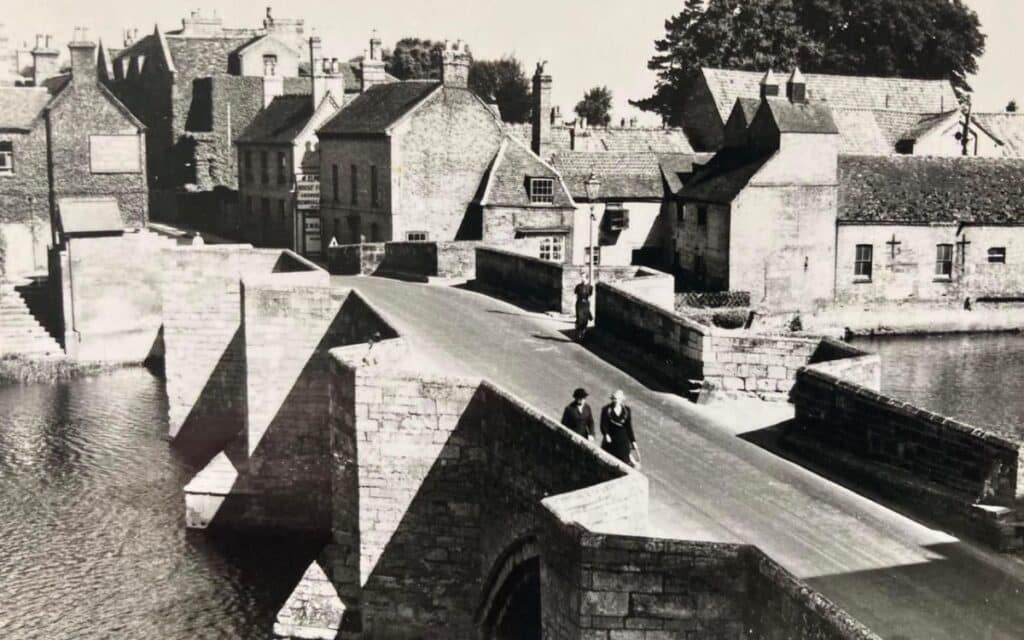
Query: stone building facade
x=69 y=137
x=761 y=217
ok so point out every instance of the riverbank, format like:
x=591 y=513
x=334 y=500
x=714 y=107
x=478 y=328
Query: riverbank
x=16 y=369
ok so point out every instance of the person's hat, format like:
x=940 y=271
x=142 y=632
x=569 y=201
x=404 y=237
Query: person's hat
x=579 y=393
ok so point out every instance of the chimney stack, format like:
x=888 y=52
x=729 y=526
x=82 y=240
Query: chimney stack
x=541 y=138
x=325 y=75
x=273 y=86
x=556 y=115
x=796 y=87
x=83 y=56
x=455 y=60
x=769 y=85
x=44 y=60
x=372 y=67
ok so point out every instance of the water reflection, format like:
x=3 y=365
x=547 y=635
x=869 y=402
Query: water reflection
x=975 y=378
x=92 y=537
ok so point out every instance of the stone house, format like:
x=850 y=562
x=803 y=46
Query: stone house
x=874 y=116
x=634 y=211
x=761 y=216
x=69 y=136
x=933 y=229
x=199 y=87
x=279 y=163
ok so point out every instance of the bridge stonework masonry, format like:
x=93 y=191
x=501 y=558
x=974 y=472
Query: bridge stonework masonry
x=448 y=506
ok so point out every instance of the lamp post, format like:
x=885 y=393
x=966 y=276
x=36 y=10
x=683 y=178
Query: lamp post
x=593 y=187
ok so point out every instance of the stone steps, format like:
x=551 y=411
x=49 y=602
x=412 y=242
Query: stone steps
x=20 y=331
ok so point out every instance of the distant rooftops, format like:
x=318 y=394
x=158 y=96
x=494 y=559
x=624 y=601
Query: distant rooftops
x=381 y=106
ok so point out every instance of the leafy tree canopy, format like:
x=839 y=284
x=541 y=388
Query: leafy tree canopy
x=503 y=81
x=596 y=106
x=930 y=39
x=415 y=59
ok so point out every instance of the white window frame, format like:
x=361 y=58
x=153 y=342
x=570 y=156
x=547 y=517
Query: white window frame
x=552 y=248
x=545 y=195
x=944 y=266
x=859 y=274
x=270 y=64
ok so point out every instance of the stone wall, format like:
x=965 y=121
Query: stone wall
x=682 y=353
x=550 y=286
x=111 y=295
x=414 y=260
x=928 y=462
x=355 y=259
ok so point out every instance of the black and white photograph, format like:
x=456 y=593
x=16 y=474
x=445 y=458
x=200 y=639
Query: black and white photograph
x=535 y=320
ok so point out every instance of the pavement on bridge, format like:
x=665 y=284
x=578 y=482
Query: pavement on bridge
x=903 y=579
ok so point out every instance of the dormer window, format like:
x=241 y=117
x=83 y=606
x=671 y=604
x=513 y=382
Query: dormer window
x=542 y=190
x=6 y=158
x=270 y=65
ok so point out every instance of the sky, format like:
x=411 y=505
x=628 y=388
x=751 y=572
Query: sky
x=586 y=42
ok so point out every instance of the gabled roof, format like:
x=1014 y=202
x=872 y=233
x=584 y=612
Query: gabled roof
x=89 y=216
x=623 y=176
x=21 y=106
x=350 y=72
x=860 y=132
x=261 y=38
x=1007 y=128
x=678 y=168
x=796 y=117
x=927 y=125
x=380 y=107
x=923 y=189
x=507 y=180
x=281 y=122
x=852 y=92
x=724 y=176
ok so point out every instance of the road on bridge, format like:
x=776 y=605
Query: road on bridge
x=901 y=578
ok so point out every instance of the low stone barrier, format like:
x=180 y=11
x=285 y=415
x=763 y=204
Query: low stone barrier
x=682 y=353
x=355 y=259
x=550 y=286
x=951 y=471
x=407 y=260
x=713 y=299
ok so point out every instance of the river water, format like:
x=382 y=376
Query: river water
x=92 y=535
x=976 y=378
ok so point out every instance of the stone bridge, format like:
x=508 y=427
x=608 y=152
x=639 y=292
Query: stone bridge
x=448 y=507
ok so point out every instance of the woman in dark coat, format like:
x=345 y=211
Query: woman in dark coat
x=617 y=430
x=577 y=416
x=583 y=314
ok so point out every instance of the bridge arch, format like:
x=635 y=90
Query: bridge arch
x=510 y=606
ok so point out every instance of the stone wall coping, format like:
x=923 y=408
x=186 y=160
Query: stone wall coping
x=309 y=264
x=547 y=264
x=671 y=315
x=845 y=625
x=563 y=505
x=287 y=280
x=899 y=407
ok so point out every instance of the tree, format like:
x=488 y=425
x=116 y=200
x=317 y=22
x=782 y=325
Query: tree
x=911 y=38
x=596 y=106
x=1011 y=106
x=416 y=59
x=503 y=81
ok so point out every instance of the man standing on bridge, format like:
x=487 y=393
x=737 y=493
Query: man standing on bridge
x=577 y=416
x=617 y=430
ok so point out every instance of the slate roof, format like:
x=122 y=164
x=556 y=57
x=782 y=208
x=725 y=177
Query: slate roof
x=678 y=168
x=793 y=117
x=350 y=72
x=20 y=106
x=1008 y=128
x=282 y=120
x=860 y=132
x=852 y=92
x=623 y=176
x=922 y=190
x=89 y=215
x=613 y=139
x=379 y=108
x=506 y=181
x=724 y=176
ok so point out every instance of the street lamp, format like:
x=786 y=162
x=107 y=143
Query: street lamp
x=593 y=187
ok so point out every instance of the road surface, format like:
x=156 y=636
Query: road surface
x=899 y=577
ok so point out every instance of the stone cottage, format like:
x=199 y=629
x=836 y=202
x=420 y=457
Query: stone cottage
x=69 y=136
x=279 y=163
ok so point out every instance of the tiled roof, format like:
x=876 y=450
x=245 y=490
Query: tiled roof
x=200 y=57
x=20 y=106
x=724 y=176
x=1008 y=128
x=614 y=139
x=807 y=117
x=379 y=108
x=282 y=120
x=860 y=133
x=623 y=176
x=507 y=180
x=921 y=190
x=351 y=74
x=852 y=92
